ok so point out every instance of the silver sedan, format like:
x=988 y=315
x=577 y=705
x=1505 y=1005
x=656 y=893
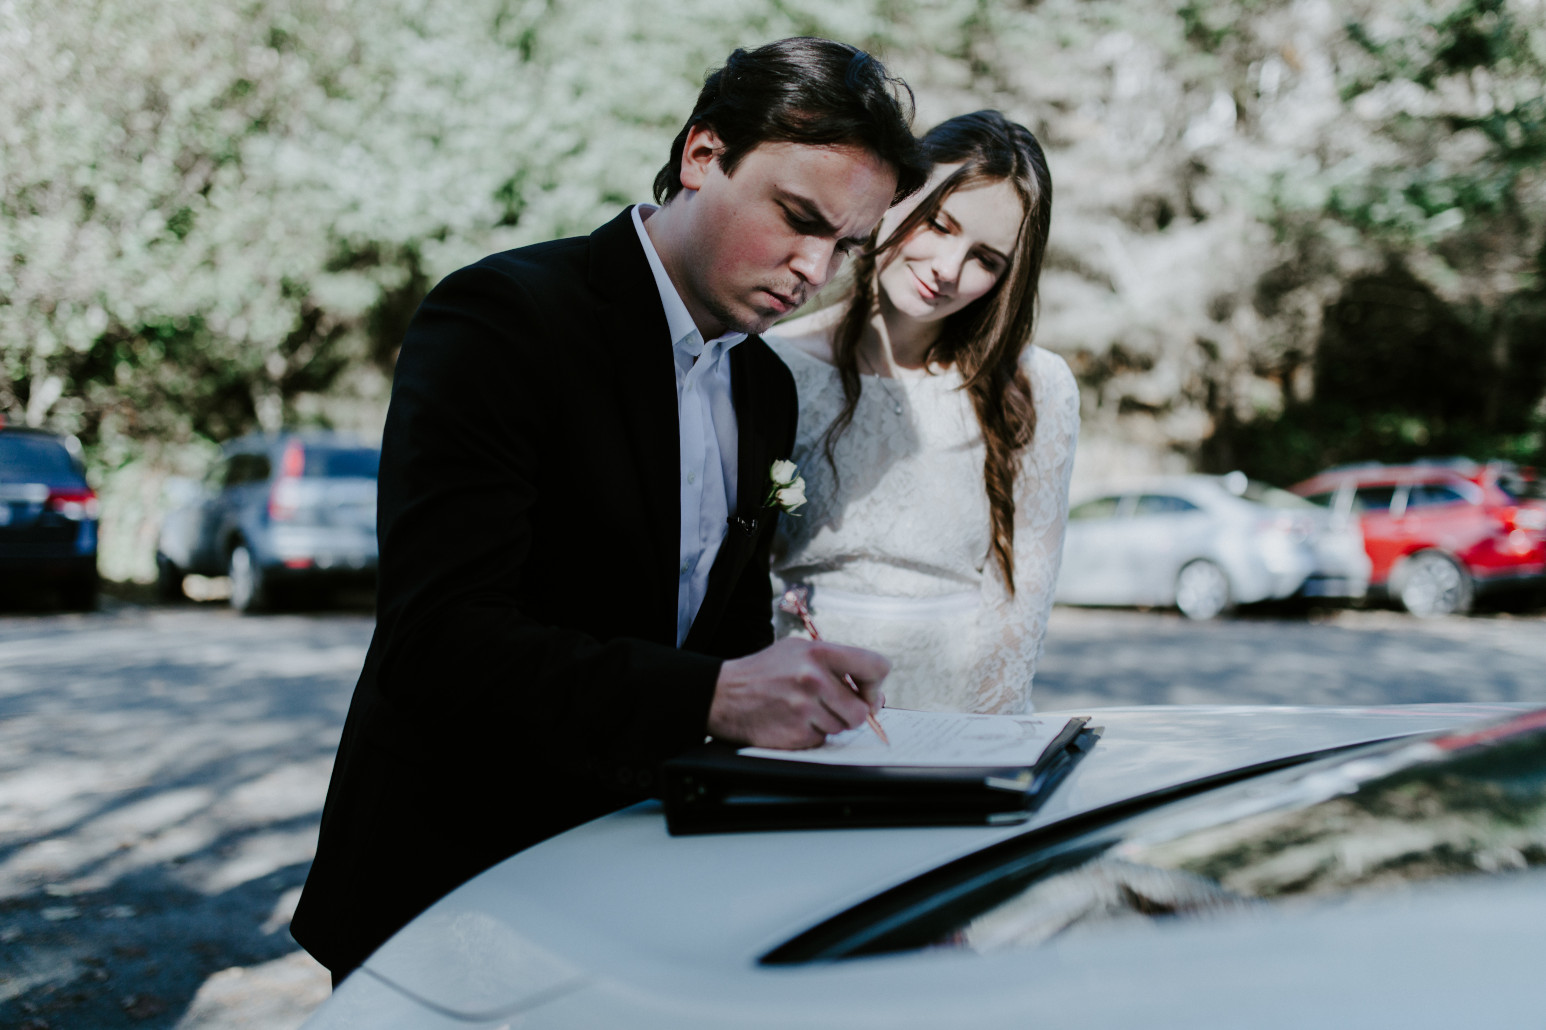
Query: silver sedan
x=1207 y=543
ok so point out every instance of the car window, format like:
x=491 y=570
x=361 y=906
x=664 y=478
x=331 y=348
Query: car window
x=28 y=458
x=246 y=468
x=1162 y=504
x=342 y=462
x=1427 y=495
x=1373 y=498
x=1322 y=500
x=1100 y=508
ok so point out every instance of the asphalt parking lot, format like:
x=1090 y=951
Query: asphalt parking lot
x=162 y=771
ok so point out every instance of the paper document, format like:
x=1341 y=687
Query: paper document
x=932 y=738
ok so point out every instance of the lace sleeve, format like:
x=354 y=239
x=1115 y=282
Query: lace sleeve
x=1013 y=627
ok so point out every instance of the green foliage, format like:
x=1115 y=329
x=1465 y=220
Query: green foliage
x=215 y=212
x=220 y=214
x=1438 y=182
x=1400 y=375
x=1478 y=69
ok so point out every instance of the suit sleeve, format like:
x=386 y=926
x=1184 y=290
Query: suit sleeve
x=463 y=669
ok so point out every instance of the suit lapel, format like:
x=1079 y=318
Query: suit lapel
x=636 y=343
x=752 y=461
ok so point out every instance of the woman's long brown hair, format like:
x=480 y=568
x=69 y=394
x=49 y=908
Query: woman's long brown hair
x=986 y=339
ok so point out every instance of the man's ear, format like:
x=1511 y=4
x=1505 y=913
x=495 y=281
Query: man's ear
x=699 y=153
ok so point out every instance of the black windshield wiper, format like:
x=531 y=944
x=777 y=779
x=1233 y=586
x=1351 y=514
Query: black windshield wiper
x=925 y=909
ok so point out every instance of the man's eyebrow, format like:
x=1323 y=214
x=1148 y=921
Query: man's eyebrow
x=808 y=212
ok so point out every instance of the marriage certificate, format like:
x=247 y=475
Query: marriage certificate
x=941 y=739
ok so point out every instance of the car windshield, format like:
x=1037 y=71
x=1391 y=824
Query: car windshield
x=1272 y=497
x=26 y=458
x=342 y=462
x=1099 y=508
x=1520 y=487
x=1385 y=816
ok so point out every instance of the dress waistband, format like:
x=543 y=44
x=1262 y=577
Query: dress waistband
x=922 y=609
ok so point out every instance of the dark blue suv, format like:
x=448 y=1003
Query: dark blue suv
x=279 y=513
x=48 y=516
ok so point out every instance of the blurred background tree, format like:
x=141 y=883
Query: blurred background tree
x=1287 y=232
x=1429 y=213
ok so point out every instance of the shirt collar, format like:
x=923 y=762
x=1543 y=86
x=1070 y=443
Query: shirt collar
x=683 y=330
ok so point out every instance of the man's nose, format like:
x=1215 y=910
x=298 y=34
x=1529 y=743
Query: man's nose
x=813 y=260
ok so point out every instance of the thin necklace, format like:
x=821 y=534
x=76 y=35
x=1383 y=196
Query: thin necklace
x=896 y=401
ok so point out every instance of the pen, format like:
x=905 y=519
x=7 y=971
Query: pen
x=794 y=603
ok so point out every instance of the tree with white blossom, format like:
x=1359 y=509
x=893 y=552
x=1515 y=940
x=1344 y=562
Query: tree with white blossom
x=218 y=215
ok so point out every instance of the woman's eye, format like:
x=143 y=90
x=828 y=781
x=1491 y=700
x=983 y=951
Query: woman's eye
x=937 y=225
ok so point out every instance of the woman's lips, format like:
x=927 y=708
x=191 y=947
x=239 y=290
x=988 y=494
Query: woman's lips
x=924 y=290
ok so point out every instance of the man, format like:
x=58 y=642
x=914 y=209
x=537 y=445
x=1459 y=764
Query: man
x=574 y=515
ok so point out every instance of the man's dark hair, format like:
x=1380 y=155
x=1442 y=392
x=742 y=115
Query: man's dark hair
x=804 y=90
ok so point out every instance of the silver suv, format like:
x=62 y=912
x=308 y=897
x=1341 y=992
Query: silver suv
x=280 y=514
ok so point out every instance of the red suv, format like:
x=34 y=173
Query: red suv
x=1437 y=534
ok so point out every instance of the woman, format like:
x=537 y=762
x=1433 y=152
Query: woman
x=936 y=443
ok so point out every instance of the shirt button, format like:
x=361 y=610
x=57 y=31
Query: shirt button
x=692 y=477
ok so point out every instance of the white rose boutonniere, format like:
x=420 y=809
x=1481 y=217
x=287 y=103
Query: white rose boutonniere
x=786 y=487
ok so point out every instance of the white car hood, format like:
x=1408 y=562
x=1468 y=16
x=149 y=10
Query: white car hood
x=620 y=899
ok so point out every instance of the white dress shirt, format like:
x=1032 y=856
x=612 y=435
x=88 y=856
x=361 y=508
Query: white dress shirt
x=706 y=422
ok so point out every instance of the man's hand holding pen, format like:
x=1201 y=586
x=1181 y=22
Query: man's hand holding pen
x=794 y=602
x=793 y=694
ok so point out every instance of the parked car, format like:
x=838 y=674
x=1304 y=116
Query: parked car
x=1440 y=534
x=1202 y=868
x=48 y=515
x=278 y=513
x=1205 y=543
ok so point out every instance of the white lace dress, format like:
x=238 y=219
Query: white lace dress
x=896 y=547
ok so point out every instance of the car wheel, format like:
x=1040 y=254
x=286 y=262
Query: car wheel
x=1432 y=584
x=169 y=579
x=1202 y=590
x=248 y=591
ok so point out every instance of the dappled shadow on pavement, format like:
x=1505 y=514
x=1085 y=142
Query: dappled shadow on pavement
x=161 y=777
x=162 y=772
x=1119 y=657
x=135 y=952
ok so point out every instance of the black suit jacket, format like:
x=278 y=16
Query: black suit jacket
x=523 y=676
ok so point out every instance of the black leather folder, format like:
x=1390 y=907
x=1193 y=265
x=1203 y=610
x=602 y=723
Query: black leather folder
x=713 y=789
